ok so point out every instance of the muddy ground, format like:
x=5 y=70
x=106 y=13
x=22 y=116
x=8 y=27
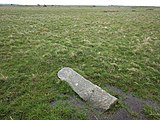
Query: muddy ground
x=130 y=108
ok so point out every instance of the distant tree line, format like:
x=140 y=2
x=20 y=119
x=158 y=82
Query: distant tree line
x=42 y=5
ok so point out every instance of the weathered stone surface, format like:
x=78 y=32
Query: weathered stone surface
x=87 y=90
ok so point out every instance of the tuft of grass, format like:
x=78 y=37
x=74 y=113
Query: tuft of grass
x=152 y=113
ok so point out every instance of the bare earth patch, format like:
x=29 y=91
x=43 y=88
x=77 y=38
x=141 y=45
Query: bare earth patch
x=133 y=107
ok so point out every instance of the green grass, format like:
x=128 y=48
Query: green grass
x=152 y=113
x=117 y=48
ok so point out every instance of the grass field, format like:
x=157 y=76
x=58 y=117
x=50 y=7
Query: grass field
x=119 y=47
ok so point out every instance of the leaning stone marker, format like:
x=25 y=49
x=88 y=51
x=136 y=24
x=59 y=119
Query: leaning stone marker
x=87 y=90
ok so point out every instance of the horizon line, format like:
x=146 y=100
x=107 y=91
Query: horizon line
x=76 y=5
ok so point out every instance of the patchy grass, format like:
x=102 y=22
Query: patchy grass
x=152 y=113
x=117 y=48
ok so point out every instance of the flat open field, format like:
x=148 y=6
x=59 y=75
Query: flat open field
x=116 y=48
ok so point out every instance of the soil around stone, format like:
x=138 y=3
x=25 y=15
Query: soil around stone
x=132 y=111
x=133 y=104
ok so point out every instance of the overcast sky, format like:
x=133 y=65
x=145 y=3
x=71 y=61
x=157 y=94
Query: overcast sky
x=84 y=2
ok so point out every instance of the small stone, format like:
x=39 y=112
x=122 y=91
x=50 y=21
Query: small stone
x=89 y=92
